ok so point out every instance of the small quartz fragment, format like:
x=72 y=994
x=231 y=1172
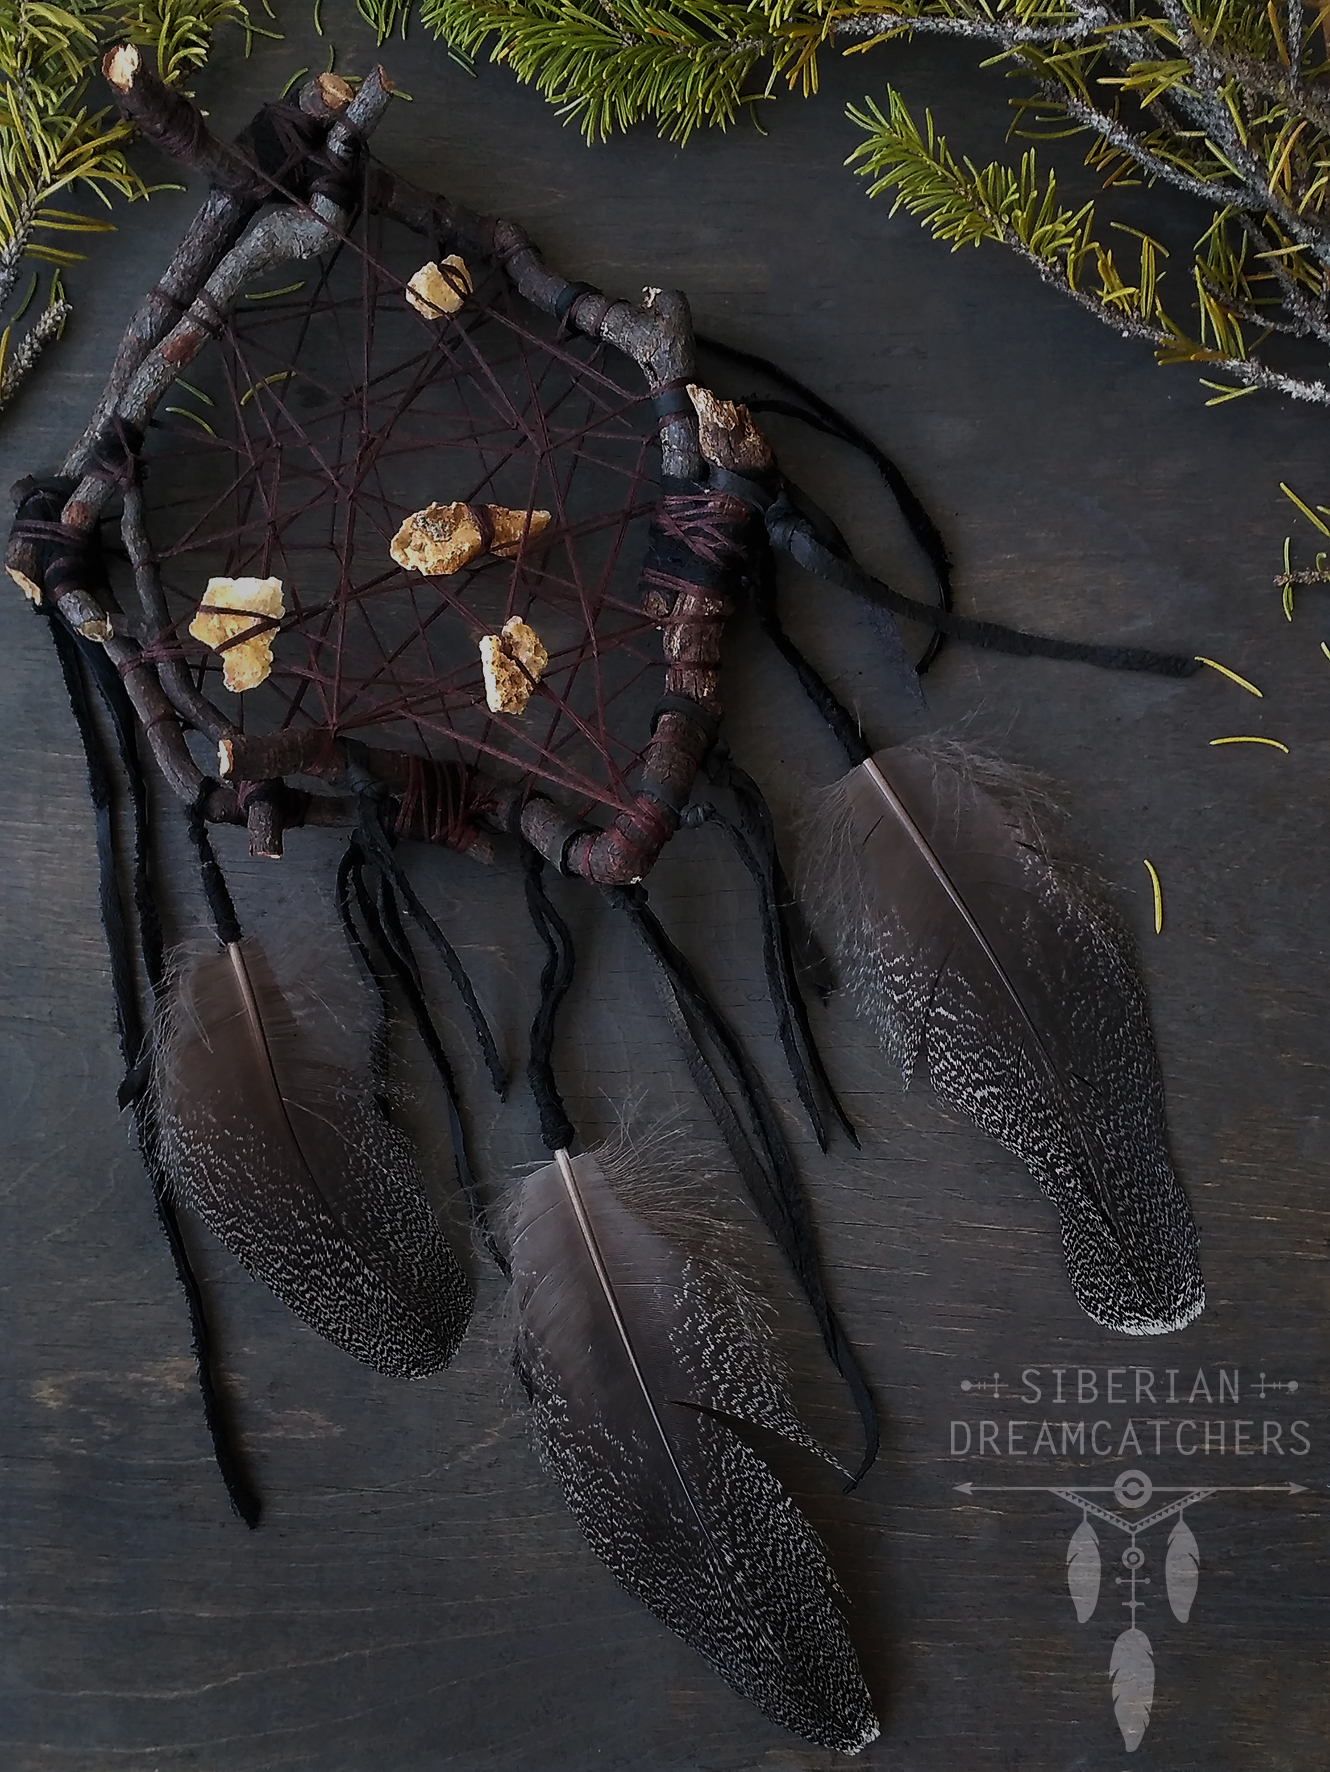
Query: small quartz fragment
x=524 y=644
x=228 y=608
x=443 y=539
x=513 y=661
x=436 y=290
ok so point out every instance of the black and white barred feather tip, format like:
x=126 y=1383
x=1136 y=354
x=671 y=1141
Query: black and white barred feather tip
x=976 y=955
x=638 y=1348
x=290 y=1161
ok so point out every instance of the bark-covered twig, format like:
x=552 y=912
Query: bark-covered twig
x=1312 y=315
x=283 y=235
x=1202 y=99
x=211 y=234
x=173 y=122
x=222 y=254
x=177 y=684
x=147 y=365
x=657 y=335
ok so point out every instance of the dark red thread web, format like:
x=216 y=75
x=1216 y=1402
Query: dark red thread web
x=334 y=411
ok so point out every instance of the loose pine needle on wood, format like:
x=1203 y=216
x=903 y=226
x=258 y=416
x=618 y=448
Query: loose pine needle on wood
x=1307 y=511
x=281 y=377
x=1232 y=676
x=22 y=308
x=188 y=412
x=1248 y=739
x=1158 y=890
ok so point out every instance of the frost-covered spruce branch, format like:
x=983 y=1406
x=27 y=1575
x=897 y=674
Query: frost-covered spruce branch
x=1249 y=372
x=53 y=147
x=15 y=364
x=1198 y=98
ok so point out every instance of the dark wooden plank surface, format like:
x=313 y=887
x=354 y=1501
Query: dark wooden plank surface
x=418 y=1597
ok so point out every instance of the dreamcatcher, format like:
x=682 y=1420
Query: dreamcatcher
x=425 y=524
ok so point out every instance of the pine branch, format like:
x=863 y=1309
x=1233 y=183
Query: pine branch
x=50 y=143
x=612 y=63
x=966 y=205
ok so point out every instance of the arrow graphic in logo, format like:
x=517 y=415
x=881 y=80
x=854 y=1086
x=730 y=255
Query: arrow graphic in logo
x=1155 y=1488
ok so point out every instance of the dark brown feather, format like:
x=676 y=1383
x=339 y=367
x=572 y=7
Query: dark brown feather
x=290 y=1161
x=976 y=954
x=639 y=1348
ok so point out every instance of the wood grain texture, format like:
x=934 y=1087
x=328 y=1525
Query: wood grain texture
x=418 y=1599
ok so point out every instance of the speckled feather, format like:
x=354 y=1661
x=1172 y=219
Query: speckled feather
x=633 y=1345
x=289 y=1161
x=977 y=956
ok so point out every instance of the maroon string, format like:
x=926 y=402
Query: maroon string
x=705 y=523
x=319 y=412
x=480 y=516
x=163 y=651
x=673 y=588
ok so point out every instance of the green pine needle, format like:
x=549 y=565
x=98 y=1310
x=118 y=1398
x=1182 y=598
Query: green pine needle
x=608 y=64
x=51 y=144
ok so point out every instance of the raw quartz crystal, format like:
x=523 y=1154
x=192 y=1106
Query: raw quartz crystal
x=228 y=608
x=443 y=539
x=513 y=661
x=436 y=290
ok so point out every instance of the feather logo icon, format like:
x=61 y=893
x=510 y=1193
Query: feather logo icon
x=1182 y=1568
x=1132 y=1671
x=1083 y=1566
x=1132 y=1665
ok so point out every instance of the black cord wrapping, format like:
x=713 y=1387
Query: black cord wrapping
x=790 y=530
x=793 y=533
x=841 y=721
x=288 y=148
x=761 y=1155
x=557 y=974
x=754 y=841
x=378 y=847
x=824 y=417
x=63 y=559
x=564 y=303
x=73 y=654
x=221 y=907
x=388 y=940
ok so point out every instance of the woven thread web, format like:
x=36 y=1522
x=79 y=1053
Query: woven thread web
x=328 y=412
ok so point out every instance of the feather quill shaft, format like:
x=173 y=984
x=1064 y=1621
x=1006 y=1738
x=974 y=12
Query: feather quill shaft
x=972 y=950
x=289 y=1160
x=639 y=1352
